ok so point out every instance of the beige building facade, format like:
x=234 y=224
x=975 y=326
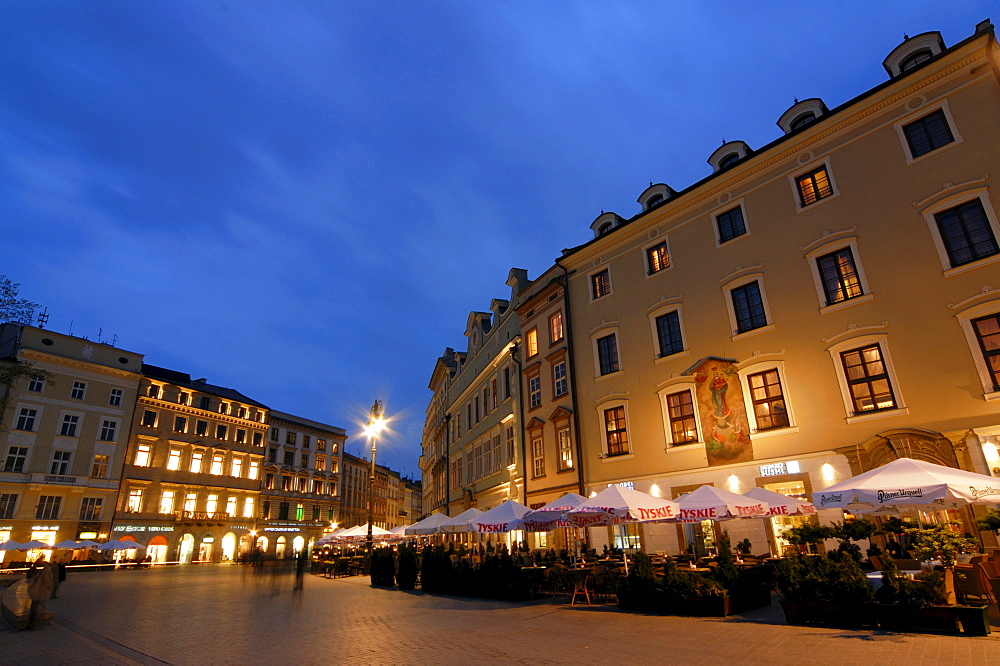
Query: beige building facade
x=64 y=436
x=814 y=308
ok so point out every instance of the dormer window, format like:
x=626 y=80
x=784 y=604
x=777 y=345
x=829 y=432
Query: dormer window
x=728 y=154
x=917 y=58
x=729 y=160
x=803 y=120
x=653 y=200
x=655 y=194
x=604 y=223
x=604 y=228
x=802 y=113
x=913 y=52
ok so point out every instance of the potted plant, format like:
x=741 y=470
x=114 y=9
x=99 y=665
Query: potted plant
x=944 y=542
x=819 y=590
x=744 y=548
x=808 y=535
x=383 y=568
x=406 y=577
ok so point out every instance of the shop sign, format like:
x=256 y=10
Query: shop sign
x=281 y=529
x=6 y=528
x=87 y=535
x=143 y=528
x=624 y=484
x=44 y=528
x=208 y=540
x=779 y=468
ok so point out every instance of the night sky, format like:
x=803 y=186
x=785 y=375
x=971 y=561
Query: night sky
x=304 y=200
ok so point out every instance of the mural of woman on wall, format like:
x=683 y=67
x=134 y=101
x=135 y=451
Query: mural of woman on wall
x=723 y=411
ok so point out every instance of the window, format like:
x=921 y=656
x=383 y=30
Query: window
x=205 y=402
x=839 y=276
x=456 y=473
x=668 y=333
x=231 y=506
x=607 y=354
x=917 y=58
x=556 y=332
x=493 y=393
x=70 y=423
x=254 y=469
x=283 y=511
x=16 y=457
x=241 y=436
x=153 y=391
x=26 y=419
x=115 y=398
x=134 y=502
x=966 y=233
x=768 y=400
x=241 y=412
x=258 y=439
x=79 y=390
x=506 y=382
x=183 y=398
x=36 y=383
x=300 y=512
x=509 y=436
x=304 y=460
x=190 y=502
x=559 y=383
x=48 y=507
x=928 y=133
x=223 y=408
x=196 y=459
x=109 y=430
x=272 y=455
x=236 y=468
x=290 y=458
x=290 y=438
x=149 y=418
x=201 y=428
x=748 y=307
x=174 y=459
x=60 y=463
x=305 y=441
x=531 y=342
x=802 y=120
x=212 y=504
x=273 y=435
x=8 y=501
x=216 y=465
x=657 y=258
x=248 y=507
x=90 y=508
x=537 y=457
x=142 y=455
x=680 y=412
x=321 y=445
x=167 y=501
x=729 y=160
x=565 y=449
x=221 y=431
x=868 y=379
x=730 y=224
x=814 y=186
x=616 y=432
x=180 y=424
x=600 y=284
x=987 y=330
x=534 y=391
x=477 y=409
x=99 y=470
x=321 y=463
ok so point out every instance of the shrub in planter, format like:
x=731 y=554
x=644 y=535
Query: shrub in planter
x=383 y=567
x=821 y=590
x=744 y=548
x=436 y=570
x=406 y=577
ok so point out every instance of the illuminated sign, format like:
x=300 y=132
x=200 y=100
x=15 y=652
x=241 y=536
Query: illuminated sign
x=777 y=469
x=281 y=529
x=208 y=540
x=44 y=528
x=6 y=527
x=624 y=484
x=87 y=535
x=142 y=528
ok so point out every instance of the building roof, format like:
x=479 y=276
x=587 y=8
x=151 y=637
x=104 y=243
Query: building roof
x=183 y=379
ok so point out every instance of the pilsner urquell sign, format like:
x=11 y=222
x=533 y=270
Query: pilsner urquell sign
x=723 y=412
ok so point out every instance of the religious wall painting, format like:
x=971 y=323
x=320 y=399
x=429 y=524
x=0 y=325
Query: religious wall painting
x=722 y=410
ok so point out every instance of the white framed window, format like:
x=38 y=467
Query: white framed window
x=537 y=455
x=667 y=326
x=70 y=425
x=79 y=390
x=26 y=419
x=613 y=419
x=657 y=256
x=115 y=397
x=766 y=393
x=965 y=230
x=134 y=502
x=36 y=384
x=813 y=185
x=190 y=502
x=236 y=468
x=17 y=456
x=867 y=379
x=681 y=422
x=746 y=303
x=231 y=506
x=564 y=441
x=838 y=274
x=60 y=462
x=556 y=332
x=600 y=283
x=607 y=360
x=197 y=458
x=216 y=464
x=730 y=222
x=927 y=131
x=174 y=459
x=248 y=507
x=560 y=384
x=253 y=471
x=167 y=499
x=109 y=430
x=99 y=470
x=981 y=326
x=143 y=455
x=531 y=343
x=534 y=391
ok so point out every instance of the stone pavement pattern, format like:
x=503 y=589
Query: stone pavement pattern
x=226 y=614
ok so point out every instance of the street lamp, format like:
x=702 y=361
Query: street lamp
x=375 y=425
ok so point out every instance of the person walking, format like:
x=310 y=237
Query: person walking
x=300 y=569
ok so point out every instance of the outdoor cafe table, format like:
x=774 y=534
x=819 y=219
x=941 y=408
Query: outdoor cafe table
x=580 y=576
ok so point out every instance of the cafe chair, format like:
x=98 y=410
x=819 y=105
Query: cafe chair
x=972 y=584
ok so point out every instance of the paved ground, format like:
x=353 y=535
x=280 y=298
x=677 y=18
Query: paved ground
x=220 y=614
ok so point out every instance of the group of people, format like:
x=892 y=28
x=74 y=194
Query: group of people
x=43 y=583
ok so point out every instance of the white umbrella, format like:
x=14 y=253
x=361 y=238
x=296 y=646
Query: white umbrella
x=502 y=518
x=711 y=503
x=11 y=545
x=552 y=515
x=460 y=523
x=361 y=531
x=68 y=544
x=911 y=484
x=781 y=505
x=426 y=526
x=87 y=543
x=616 y=505
x=120 y=545
x=35 y=544
x=399 y=531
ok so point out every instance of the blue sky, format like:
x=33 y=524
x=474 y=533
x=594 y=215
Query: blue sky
x=304 y=200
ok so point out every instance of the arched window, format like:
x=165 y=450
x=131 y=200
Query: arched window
x=803 y=120
x=729 y=160
x=915 y=59
x=604 y=228
x=653 y=200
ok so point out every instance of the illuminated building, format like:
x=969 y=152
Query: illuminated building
x=63 y=436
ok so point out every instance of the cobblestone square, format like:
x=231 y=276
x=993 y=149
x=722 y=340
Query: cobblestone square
x=226 y=614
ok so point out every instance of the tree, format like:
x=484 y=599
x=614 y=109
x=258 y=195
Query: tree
x=12 y=308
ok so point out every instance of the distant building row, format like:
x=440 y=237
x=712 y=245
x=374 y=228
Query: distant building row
x=100 y=445
x=810 y=310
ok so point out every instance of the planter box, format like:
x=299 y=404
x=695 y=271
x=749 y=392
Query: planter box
x=828 y=614
x=964 y=620
x=701 y=607
x=747 y=601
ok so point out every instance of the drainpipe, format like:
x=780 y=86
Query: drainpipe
x=519 y=428
x=447 y=464
x=573 y=385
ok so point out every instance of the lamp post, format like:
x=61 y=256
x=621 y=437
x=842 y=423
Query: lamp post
x=375 y=425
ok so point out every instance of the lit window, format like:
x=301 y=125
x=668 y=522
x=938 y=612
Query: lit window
x=928 y=133
x=556 y=332
x=987 y=331
x=531 y=342
x=730 y=224
x=174 y=459
x=254 y=470
x=109 y=430
x=565 y=449
x=616 y=432
x=559 y=384
x=237 y=467
x=299 y=511
x=839 y=276
x=79 y=390
x=134 y=503
x=190 y=501
x=142 y=455
x=69 y=425
x=196 y=459
x=537 y=457
x=90 y=508
x=48 y=507
x=680 y=410
x=99 y=470
x=212 y=504
x=167 y=501
x=600 y=284
x=768 y=400
x=657 y=258
x=814 y=186
x=534 y=391
x=607 y=354
x=26 y=419
x=248 y=507
x=966 y=233
x=868 y=379
x=216 y=465
x=231 y=506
